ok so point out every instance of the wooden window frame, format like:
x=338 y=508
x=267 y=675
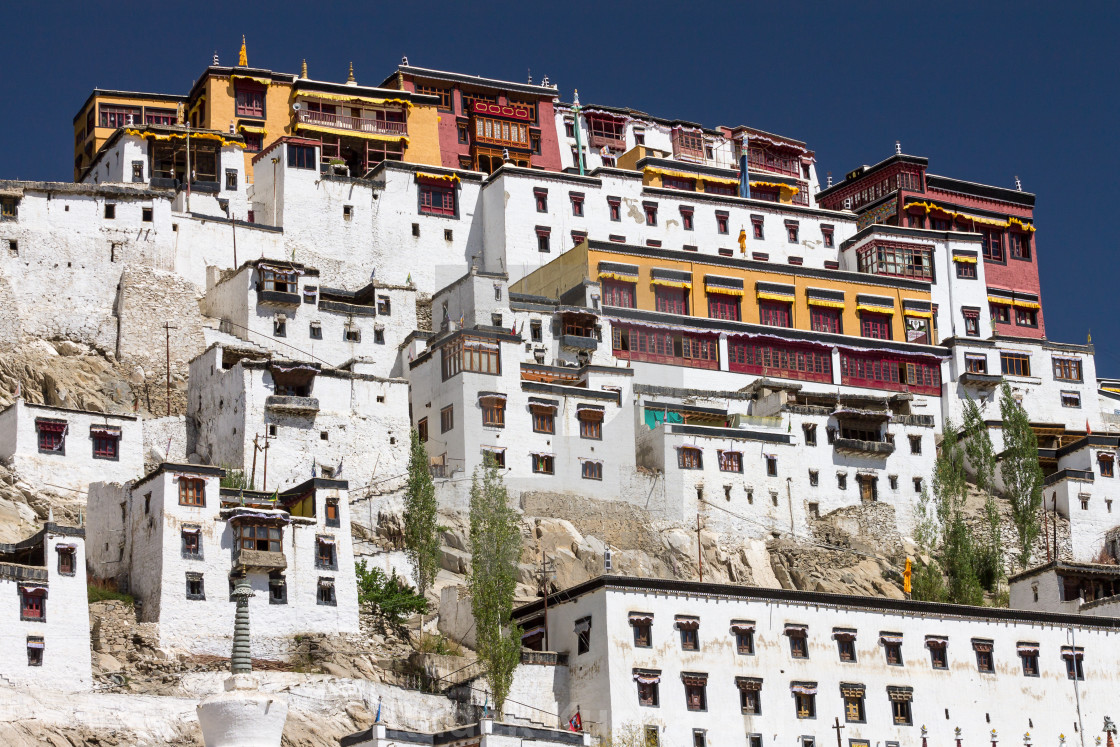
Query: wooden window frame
x=192 y=491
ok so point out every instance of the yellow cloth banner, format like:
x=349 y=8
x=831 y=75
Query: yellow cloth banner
x=672 y=283
x=183 y=136
x=362 y=99
x=353 y=133
x=876 y=309
x=1026 y=304
x=791 y=189
x=928 y=206
x=727 y=291
x=775 y=296
x=618 y=276
x=997 y=299
x=719 y=180
x=440 y=177
x=650 y=170
x=251 y=128
x=920 y=314
x=966 y=260
x=1021 y=224
x=262 y=81
x=826 y=302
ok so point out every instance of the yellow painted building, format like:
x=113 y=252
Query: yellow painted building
x=105 y=111
x=845 y=297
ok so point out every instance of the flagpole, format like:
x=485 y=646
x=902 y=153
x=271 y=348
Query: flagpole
x=579 y=140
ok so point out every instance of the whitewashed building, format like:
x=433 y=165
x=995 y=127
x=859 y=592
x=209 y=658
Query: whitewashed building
x=176 y=539
x=485 y=733
x=1069 y=588
x=55 y=448
x=45 y=639
x=700 y=664
x=345 y=423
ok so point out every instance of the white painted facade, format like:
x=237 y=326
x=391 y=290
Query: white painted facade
x=138 y=536
x=350 y=423
x=78 y=450
x=45 y=643
x=604 y=690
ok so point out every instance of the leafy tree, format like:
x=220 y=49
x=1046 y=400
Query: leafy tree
x=388 y=597
x=1021 y=472
x=495 y=542
x=982 y=457
x=928 y=585
x=950 y=489
x=421 y=520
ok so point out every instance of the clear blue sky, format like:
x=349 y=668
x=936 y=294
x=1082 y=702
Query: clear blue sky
x=985 y=90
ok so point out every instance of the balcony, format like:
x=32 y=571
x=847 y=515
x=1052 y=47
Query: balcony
x=596 y=140
x=352 y=124
x=291 y=405
x=281 y=298
x=980 y=380
x=579 y=342
x=856 y=447
x=688 y=146
x=777 y=163
x=258 y=560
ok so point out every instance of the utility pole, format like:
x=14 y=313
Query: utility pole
x=579 y=140
x=188 y=174
x=699 y=551
x=838 y=727
x=167 y=330
x=546 y=569
x=264 y=477
x=253 y=474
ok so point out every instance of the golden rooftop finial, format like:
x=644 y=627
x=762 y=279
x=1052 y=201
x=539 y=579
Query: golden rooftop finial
x=303 y=70
x=350 y=78
x=243 y=56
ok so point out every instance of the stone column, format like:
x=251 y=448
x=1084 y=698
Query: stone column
x=241 y=661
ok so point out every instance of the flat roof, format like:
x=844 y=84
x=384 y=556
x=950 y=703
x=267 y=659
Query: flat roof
x=476 y=80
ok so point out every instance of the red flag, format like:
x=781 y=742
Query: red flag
x=575 y=723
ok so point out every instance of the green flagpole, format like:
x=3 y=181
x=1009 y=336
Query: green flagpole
x=579 y=140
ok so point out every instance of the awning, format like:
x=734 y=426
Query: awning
x=742 y=626
x=999 y=299
x=795 y=630
x=251 y=128
x=900 y=694
x=875 y=309
x=844 y=635
x=671 y=283
x=722 y=284
x=105 y=430
x=1026 y=304
x=582 y=626
x=47 y=425
x=750 y=684
x=688 y=623
x=695 y=679
x=640 y=618
x=1072 y=653
x=673 y=278
x=585 y=412
x=618 y=271
x=933 y=641
x=1027 y=648
x=348 y=97
x=538 y=630
x=647 y=676
x=964 y=258
x=984 y=647
x=191 y=530
x=804 y=688
x=325 y=540
x=262 y=81
x=539 y=408
x=852 y=690
x=35 y=644
x=280 y=269
x=33 y=590
x=449 y=178
x=471 y=343
x=825 y=297
x=774 y=291
x=890 y=638
x=491 y=397
x=65 y=546
x=493 y=449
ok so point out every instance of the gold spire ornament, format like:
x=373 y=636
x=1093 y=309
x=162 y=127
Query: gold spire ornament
x=303 y=70
x=243 y=55
x=350 y=78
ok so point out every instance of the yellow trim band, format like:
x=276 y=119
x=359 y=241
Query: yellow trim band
x=672 y=283
x=262 y=81
x=1026 y=304
x=824 y=302
x=920 y=314
x=362 y=99
x=928 y=206
x=441 y=177
x=183 y=136
x=965 y=260
x=875 y=309
x=788 y=188
x=997 y=299
x=618 y=276
x=725 y=291
x=251 y=128
x=775 y=296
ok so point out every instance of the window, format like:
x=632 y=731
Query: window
x=447 y=419
x=544 y=418
x=35 y=648
x=192 y=491
x=258 y=537
x=591 y=470
x=695 y=695
x=750 y=695
x=693 y=349
x=583 y=635
x=470 y=354
x=853 y=703
x=810 y=431
x=643 y=630
x=1067 y=369
x=277 y=588
x=984 y=661
x=494 y=457
x=977 y=364
x=315 y=330
x=444 y=95
x=900 y=698
x=325 y=595
x=1001 y=313
x=744 y=637
x=901 y=260
x=543 y=243
x=106 y=442
x=993 y=245
x=110 y=211
x=1015 y=364
x=774 y=313
x=689 y=458
x=917 y=485
x=915 y=444
x=670 y=300
x=650 y=210
x=590 y=423
x=464 y=133
x=798 y=641
x=1106 y=463
x=618 y=293
x=493 y=411
x=938 y=654
x=805 y=701
x=1021 y=245
x=543 y=464
x=615 y=205
x=254 y=143
x=1071 y=399
x=723 y=306
x=841 y=481
x=892 y=648
x=876 y=326
x=191 y=543
x=1084 y=498
x=577 y=203
x=1074 y=658
x=966 y=270
x=437 y=200
x=791 y=231
x=118 y=116
x=250 y=100
x=196 y=591
x=1028 y=654
x=687 y=218
x=231 y=185
x=422 y=430
x=351 y=334
x=569 y=128
x=756 y=227
x=730 y=461
x=302 y=157
x=814 y=477
x=332 y=517
x=1026 y=317
x=280 y=326
x=541 y=197
x=647 y=688
x=324 y=554
x=721 y=222
x=771 y=465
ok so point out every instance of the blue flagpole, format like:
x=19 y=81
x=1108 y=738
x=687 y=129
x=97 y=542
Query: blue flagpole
x=744 y=174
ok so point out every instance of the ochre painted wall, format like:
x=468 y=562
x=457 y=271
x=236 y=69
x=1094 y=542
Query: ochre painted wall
x=221 y=109
x=423 y=136
x=101 y=134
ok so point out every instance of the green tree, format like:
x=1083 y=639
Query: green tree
x=982 y=457
x=1021 y=472
x=421 y=518
x=950 y=489
x=388 y=597
x=495 y=542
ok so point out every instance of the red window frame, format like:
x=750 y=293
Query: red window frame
x=670 y=300
x=791 y=233
x=32 y=606
x=993 y=245
x=691 y=349
x=780 y=360
x=619 y=293
x=756 y=226
x=721 y=223
x=615 y=207
x=825 y=319
x=192 y=491
x=827 y=237
x=437 y=200
x=775 y=313
x=541 y=198
x=891 y=372
x=1021 y=246
x=249 y=100
x=676 y=182
x=724 y=306
x=52 y=437
x=577 y=205
x=106 y=446
x=686 y=219
x=1001 y=313
x=651 y=214
x=875 y=326
x=689 y=457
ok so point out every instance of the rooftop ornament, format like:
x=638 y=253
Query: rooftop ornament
x=243 y=55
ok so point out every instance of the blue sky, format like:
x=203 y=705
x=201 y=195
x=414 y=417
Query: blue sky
x=985 y=90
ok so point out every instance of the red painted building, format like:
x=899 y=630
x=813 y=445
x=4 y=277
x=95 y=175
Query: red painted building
x=900 y=192
x=483 y=121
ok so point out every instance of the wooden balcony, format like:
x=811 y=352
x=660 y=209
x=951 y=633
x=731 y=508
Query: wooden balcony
x=292 y=405
x=596 y=141
x=857 y=447
x=258 y=560
x=352 y=124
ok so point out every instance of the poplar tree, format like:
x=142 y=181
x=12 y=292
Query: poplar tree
x=421 y=518
x=950 y=488
x=1021 y=472
x=982 y=456
x=495 y=542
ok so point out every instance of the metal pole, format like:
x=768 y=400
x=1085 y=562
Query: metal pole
x=253 y=476
x=264 y=477
x=167 y=330
x=233 y=227
x=1076 y=689
x=579 y=140
x=188 y=174
x=699 y=555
